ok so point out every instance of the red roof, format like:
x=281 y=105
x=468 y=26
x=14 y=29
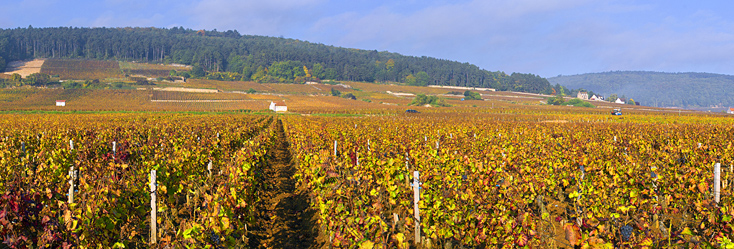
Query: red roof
x=279 y=103
x=731 y=109
x=61 y=101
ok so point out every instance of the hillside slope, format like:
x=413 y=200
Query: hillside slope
x=656 y=88
x=247 y=57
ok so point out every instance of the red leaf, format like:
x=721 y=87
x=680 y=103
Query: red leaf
x=573 y=234
x=522 y=240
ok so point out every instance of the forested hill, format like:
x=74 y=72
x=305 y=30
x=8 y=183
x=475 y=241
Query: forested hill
x=656 y=88
x=246 y=57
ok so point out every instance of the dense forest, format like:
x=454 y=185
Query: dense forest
x=657 y=88
x=231 y=56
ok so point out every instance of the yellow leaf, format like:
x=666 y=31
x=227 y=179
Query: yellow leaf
x=225 y=222
x=400 y=237
x=646 y=242
x=367 y=245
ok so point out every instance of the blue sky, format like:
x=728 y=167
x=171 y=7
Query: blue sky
x=545 y=37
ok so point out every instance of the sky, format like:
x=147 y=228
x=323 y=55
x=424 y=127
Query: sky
x=543 y=37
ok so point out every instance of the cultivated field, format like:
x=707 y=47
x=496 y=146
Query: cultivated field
x=24 y=68
x=150 y=70
x=81 y=69
x=506 y=171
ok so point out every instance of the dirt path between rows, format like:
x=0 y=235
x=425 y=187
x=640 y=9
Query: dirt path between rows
x=284 y=219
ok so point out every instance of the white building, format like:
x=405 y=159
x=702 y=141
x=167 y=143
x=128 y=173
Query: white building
x=582 y=95
x=61 y=103
x=619 y=101
x=278 y=106
x=730 y=111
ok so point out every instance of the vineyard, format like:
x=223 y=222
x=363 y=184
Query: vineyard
x=491 y=183
x=208 y=175
x=149 y=70
x=81 y=69
x=507 y=177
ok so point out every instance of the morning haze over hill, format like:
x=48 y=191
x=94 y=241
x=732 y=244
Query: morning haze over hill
x=687 y=90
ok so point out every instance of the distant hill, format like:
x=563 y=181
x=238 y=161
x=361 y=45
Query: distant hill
x=687 y=90
x=231 y=56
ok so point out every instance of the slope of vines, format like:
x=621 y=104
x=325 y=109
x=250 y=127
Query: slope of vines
x=492 y=183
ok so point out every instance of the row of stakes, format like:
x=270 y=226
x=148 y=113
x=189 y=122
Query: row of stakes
x=416 y=184
x=416 y=192
x=73 y=174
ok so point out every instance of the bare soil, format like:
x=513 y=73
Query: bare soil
x=284 y=217
x=24 y=68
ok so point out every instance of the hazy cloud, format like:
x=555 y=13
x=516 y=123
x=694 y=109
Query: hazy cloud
x=112 y=20
x=274 y=17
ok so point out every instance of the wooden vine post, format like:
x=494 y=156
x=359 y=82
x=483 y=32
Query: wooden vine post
x=71 y=184
x=209 y=168
x=153 y=208
x=72 y=176
x=335 y=147
x=416 y=199
x=717 y=182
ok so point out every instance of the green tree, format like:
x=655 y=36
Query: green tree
x=335 y=92
x=557 y=100
x=579 y=103
x=16 y=77
x=469 y=95
x=331 y=74
x=38 y=79
x=411 y=80
x=422 y=78
x=390 y=64
x=197 y=72
x=612 y=97
x=318 y=71
x=423 y=99
x=260 y=74
x=2 y=64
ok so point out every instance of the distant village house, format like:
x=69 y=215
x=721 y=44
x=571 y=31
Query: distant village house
x=619 y=101
x=278 y=106
x=61 y=103
x=582 y=95
x=730 y=111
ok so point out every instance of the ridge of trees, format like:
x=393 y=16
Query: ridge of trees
x=229 y=55
x=657 y=89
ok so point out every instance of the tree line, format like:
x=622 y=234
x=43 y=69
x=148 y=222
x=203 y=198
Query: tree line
x=229 y=55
